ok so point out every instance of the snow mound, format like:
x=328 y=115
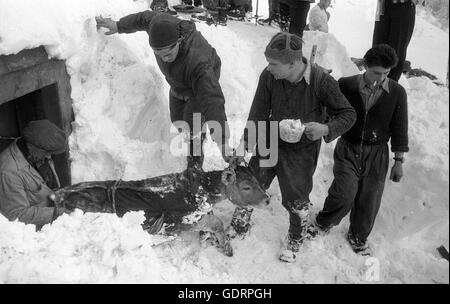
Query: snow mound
x=122 y=131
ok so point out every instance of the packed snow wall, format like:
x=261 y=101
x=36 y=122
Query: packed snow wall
x=122 y=130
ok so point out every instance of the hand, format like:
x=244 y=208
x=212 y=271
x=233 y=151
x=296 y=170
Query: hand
x=396 y=172
x=60 y=211
x=315 y=131
x=108 y=23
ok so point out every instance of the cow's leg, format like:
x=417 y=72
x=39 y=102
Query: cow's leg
x=240 y=223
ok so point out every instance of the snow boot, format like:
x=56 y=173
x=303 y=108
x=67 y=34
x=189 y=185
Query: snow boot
x=360 y=247
x=291 y=246
x=301 y=210
x=240 y=223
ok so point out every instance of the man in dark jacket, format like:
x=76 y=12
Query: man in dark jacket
x=291 y=88
x=361 y=156
x=25 y=187
x=191 y=66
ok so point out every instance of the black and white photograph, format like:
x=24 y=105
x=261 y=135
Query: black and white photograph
x=224 y=142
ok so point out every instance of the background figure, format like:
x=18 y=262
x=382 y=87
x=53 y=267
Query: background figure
x=318 y=16
x=243 y=6
x=394 y=25
x=297 y=11
x=196 y=2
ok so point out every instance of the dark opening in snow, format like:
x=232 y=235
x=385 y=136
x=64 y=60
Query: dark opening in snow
x=33 y=87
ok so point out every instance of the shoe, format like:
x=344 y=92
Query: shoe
x=324 y=229
x=290 y=248
x=358 y=246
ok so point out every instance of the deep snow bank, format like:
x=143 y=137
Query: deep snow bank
x=122 y=130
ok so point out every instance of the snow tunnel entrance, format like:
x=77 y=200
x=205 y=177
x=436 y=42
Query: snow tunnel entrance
x=33 y=87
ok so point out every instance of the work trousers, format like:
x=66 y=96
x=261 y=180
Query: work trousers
x=295 y=169
x=359 y=177
x=297 y=14
x=395 y=28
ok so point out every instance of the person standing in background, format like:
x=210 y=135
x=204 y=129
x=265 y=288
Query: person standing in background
x=394 y=25
x=318 y=16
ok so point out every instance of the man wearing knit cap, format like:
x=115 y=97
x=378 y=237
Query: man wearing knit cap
x=290 y=88
x=24 y=192
x=191 y=66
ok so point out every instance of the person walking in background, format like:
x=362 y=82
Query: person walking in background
x=319 y=16
x=361 y=155
x=394 y=25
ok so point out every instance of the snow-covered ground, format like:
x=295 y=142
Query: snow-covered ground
x=122 y=130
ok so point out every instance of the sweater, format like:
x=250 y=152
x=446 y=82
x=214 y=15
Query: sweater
x=386 y=120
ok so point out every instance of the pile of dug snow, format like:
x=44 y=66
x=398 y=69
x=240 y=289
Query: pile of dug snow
x=122 y=130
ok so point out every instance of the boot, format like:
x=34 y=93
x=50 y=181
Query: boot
x=291 y=247
x=360 y=247
x=240 y=223
x=301 y=210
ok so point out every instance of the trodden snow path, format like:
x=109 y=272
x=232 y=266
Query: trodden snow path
x=122 y=130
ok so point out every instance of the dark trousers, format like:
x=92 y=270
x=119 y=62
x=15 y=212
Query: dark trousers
x=359 y=178
x=395 y=28
x=183 y=110
x=294 y=170
x=297 y=13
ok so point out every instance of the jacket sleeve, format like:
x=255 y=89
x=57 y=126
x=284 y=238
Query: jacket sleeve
x=210 y=98
x=261 y=107
x=14 y=203
x=342 y=114
x=135 y=22
x=399 y=124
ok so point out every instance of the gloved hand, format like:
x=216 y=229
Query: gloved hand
x=108 y=23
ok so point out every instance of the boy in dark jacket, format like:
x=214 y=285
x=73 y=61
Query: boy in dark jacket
x=191 y=66
x=291 y=88
x=361 y=156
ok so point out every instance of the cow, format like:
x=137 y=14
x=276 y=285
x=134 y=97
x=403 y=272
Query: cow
x=165 y=199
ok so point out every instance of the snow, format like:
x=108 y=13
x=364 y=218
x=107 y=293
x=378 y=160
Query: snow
x=122 y=130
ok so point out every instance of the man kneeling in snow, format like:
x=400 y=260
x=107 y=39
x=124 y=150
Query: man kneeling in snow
x=361 y=155
x=293 y=88
x=192 y=69
x=25 y=186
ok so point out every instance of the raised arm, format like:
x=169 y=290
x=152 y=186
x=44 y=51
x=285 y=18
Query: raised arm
x=128 y=24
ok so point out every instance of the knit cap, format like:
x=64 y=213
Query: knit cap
x=46 y=136
x=163 y=33
x=286 y=55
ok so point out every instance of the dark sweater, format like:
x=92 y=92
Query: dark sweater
x=276 y=100
x=386 y=119
x=195 y=72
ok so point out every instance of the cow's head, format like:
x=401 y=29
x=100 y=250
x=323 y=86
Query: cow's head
x=242 y=188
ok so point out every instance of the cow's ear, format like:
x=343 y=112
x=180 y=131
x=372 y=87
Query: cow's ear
x=228 y=177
